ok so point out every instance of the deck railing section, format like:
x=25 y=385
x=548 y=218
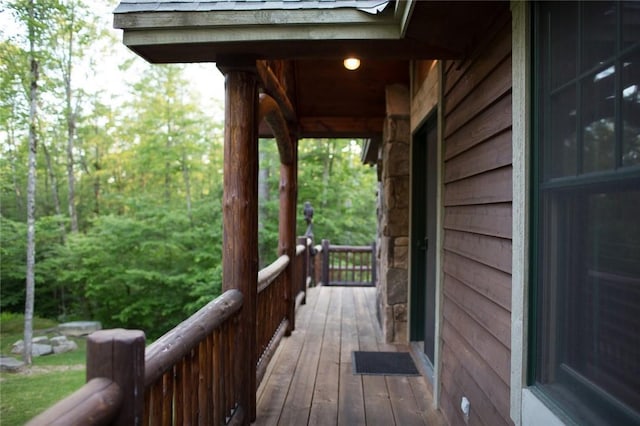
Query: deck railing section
x=271 y=311
x=189 y=375
x=348 y=265
x=190 y=371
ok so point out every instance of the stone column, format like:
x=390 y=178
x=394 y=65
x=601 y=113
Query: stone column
x=393 y=205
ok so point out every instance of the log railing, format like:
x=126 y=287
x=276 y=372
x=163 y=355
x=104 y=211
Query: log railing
x=347 y=265
x=190 y=371
x=191 y=374
x=271 y=312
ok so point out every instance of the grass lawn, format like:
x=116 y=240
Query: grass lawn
x=51 y=378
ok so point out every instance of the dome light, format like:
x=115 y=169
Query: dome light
x=352 y=64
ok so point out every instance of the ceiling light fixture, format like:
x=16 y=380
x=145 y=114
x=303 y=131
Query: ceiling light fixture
x=352 y=64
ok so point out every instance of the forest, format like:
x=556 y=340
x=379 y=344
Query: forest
x=120 y=178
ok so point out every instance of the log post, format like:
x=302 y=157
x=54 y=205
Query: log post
x=118 y=355
x=325 y=262
x=306 y=266
x=374 y=265
x=287 y=230
x=240 y=214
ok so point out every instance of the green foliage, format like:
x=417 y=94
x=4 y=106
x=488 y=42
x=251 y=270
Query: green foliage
x=341 y=190
x=148 y=189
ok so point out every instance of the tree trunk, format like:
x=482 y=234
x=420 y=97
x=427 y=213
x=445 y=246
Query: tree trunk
x=31 y=195
x=71 y=131
x=187 y=185
x=16 y=187
x=326 y=173
x=96 y=183
x=54 y=190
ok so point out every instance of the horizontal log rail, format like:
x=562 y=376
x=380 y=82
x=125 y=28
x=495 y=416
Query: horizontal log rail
x=190 y=371
x=272 y=311
x=191 y=374
x=97 y=402
x=269 y=273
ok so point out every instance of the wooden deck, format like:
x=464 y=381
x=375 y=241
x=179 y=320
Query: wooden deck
x=310 y=379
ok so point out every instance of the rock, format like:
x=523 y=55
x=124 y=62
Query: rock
x=17 y=347
x=37 y=349
x=43 y=340
x=61 y=344
x=9 y=364
x=79 y=328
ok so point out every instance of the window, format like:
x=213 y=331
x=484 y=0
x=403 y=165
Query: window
x=585 y=355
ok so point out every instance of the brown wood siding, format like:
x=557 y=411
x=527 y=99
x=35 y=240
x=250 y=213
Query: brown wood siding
x=476 y=327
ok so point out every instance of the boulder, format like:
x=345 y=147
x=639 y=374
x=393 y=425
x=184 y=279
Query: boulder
x=9 y=364
x=43 y=340
x=79 y=328
x=37 y=349
x=61 y=344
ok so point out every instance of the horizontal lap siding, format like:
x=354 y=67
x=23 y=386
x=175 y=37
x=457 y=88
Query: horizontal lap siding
x=476 y=332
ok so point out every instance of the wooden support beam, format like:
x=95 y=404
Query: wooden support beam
x=240 y=214
x=287 y=229
x=274 y=89
x=271 y=113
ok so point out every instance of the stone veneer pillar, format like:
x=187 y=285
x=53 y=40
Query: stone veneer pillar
x=393 y=217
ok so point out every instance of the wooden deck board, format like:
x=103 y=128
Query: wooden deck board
x=311 y=381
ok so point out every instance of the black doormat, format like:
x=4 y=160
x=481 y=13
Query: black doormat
x=384 y=363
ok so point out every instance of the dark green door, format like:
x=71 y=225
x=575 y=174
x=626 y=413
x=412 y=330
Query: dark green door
x=423 y=232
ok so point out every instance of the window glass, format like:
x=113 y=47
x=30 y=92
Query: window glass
x=562 y=137
x=630 y=23
x=631 y=110
x=563 y=27
x=586 y=214
x=598 y=121
x=598 y=33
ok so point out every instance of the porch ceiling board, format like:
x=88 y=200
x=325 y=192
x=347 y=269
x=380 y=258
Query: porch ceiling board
x=315 y=36
x=331 y=101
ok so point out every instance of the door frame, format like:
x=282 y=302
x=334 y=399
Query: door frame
x=424 y=203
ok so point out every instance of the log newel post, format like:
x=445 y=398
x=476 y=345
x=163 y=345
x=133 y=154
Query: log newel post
x=325 y=262
x=306 y=266
x=374 y=266
x=287 y=231
x=240 y=215
x=118 y=355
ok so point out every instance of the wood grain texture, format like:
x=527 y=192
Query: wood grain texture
x=490 y=187
x=477 y=222
x=335 y=322
x=489 y=122
x=491 y=283
x=492 y=154
x=240 y=215
x=475 y=335
x=119 y=355
x=470 y=372
x=486 y=219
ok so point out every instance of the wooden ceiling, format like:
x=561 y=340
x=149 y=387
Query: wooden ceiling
x=331 y=101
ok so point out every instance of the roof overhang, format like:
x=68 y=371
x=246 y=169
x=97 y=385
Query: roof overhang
x=187 y=31
x=313 y=37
